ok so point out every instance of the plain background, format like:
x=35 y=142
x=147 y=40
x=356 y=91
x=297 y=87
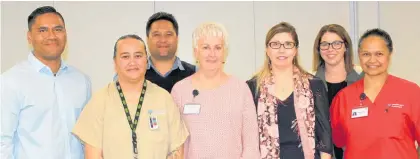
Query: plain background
x=93 y=28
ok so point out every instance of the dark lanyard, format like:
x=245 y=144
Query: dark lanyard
x=133 y=124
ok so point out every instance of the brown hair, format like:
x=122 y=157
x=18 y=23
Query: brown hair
x=342 y=33
x=282 y=27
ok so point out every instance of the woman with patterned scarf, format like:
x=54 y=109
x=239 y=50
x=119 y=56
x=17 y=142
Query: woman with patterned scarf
x=292 y=105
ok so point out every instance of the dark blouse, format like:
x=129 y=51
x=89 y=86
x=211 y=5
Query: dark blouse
x=290 y=139
x=334 y=88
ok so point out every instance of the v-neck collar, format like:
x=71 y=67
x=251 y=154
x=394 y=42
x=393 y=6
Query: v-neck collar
x=381 y=92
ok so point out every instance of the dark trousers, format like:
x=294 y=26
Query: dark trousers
x=338 y=153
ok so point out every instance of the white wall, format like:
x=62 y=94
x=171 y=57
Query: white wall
x=14 y=26
x=402 y=21
x=238 y=23
x=93 y=28
x=307 y=17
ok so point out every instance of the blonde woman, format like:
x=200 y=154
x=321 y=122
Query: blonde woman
x=217 y=108
x=292 y=105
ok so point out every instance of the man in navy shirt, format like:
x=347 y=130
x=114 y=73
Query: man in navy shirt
x=164 y=67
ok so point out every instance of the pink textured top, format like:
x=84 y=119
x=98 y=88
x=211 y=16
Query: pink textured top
x=226 y=126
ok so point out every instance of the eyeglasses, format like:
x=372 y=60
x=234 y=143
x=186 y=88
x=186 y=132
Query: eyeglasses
x=277 y=45
x=335 y=45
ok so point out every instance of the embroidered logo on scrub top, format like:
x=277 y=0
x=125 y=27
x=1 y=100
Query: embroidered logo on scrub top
x=396 y=105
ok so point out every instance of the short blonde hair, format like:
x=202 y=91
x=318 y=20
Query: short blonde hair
x=211 y=29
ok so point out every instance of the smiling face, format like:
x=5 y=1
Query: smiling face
x=374 y=56
x=162 y=40
x=210 y=52
x=48 y=36
x=130 y=60
x=281 y=50
x=332 y=49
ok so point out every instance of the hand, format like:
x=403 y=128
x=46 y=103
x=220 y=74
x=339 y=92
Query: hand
x=325 y=155
x=178 y=154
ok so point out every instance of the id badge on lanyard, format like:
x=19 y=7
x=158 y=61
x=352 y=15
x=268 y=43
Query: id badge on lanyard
x=133 y=123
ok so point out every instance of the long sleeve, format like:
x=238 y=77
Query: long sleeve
x=10 y=109
x=322 y=116
x=89 y=90
x=250 y=137
x=336 y=111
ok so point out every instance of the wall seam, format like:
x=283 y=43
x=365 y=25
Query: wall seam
x=255 y=40
x=354 y=28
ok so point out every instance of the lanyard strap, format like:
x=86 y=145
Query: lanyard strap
x=133 y=124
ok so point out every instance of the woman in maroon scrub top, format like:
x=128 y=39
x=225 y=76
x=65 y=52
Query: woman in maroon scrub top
x=378 y=117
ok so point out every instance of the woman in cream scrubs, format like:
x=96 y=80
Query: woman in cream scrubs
x=131 y=117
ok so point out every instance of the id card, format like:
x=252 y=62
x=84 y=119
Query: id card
x=359 y=112
x=192 y=108
x=153 y=122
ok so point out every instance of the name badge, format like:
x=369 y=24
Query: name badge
x=153 y=122
x=359 y=112
x=192 y=109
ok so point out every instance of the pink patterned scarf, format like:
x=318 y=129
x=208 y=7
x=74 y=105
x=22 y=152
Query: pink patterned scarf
x=305 y=116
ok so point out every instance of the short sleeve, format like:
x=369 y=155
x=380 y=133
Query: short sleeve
x=415 y=113
x=89 y=126
x=336 y=111
x=178 y=132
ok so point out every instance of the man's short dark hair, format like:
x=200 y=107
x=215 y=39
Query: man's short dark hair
x=161 y=16
x=380 y=33
x=40 y=11
x=132 y=36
